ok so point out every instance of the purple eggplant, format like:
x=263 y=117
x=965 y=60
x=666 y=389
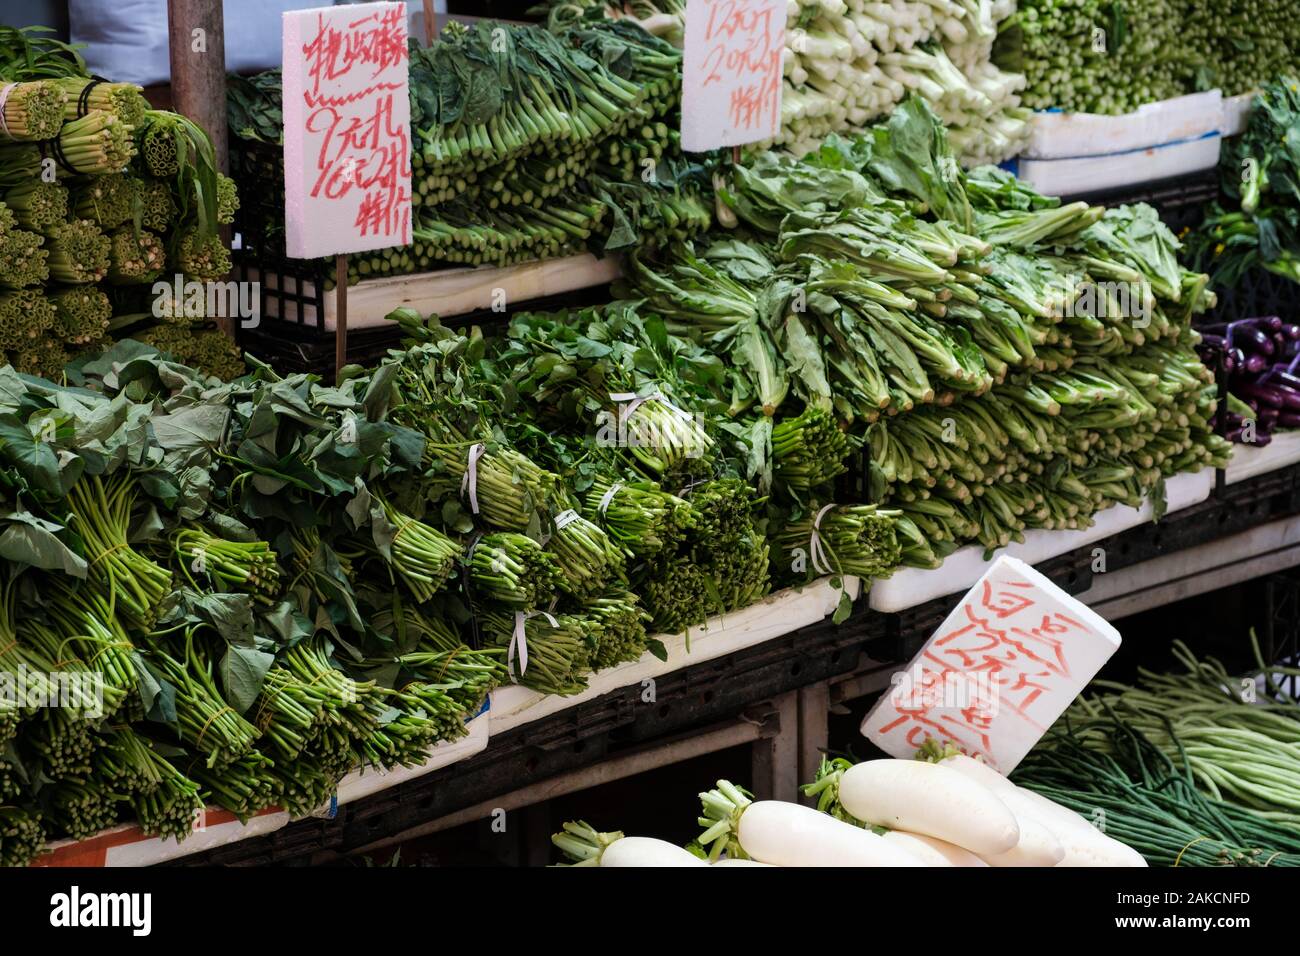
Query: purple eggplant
x=1277 y=396
x=1255 y=364
x=1292 y=332
x=1254 y=340
x=1210 y=340
x=1288 y=420
x=1287 y=379
x=1269 y=323
x=1260 y=439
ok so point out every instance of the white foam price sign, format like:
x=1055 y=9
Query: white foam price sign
x=1006 y=662
x=731 y=72
x=347 y=119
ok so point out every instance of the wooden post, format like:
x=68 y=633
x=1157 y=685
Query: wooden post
x=198 y=64
x=430 y=23
x=340 y=314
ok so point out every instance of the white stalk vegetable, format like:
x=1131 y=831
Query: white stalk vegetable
x=925 y=798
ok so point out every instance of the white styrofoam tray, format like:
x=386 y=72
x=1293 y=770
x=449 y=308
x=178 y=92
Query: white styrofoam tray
x=1057 y=135
x=1250 y=460
x=362 y=783
x=909 y=587
x=1067 y=177
x=1236 y=113
x=777 y=614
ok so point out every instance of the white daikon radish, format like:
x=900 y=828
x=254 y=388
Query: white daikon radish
x=925 y=798
x=647 y=851
x=1038 y=845
x=933 y=852
x=731 y=861
x=1083 y=844
x=790 y=834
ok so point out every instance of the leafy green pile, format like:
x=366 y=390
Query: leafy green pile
x=1101 y=57
x=1010 y=362
x=1257 y=225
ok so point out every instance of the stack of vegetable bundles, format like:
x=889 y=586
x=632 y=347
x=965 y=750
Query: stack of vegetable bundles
x=527 y=145
x=1096 y=56
x=1011 y=362
x=99 y=198
x=270 y=582
x=848 y=62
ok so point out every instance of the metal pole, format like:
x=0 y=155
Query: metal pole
x=198 y=65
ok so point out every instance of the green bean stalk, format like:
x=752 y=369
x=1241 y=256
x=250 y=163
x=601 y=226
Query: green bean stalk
x=101 y=514
x=421 y=556
x=243 y=787
x=24 y=260
x=80 y=807
x=842 y=539
x=107 y=201
x=615 y=621
x=510 y=487
x=22 y=837
x=207 y=724
x=512 y=569
x=639 y=516
x=135 y=257
x=246 y=567
x=33 y=111
x=588 y=559
x=124 y=100
x=81 y=313
x=173 y=806
x=808 y=450
x=559 y=656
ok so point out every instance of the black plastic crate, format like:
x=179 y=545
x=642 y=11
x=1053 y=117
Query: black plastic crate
x=1180 y=200
x=1259 y=292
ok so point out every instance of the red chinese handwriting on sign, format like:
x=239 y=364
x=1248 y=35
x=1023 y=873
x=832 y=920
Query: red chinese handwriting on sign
x=999 y=671
x=731 y=82
x=347 y=129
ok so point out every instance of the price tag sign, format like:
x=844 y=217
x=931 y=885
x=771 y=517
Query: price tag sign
x=731 y=72
x=1003 y=666
x=347 y=121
